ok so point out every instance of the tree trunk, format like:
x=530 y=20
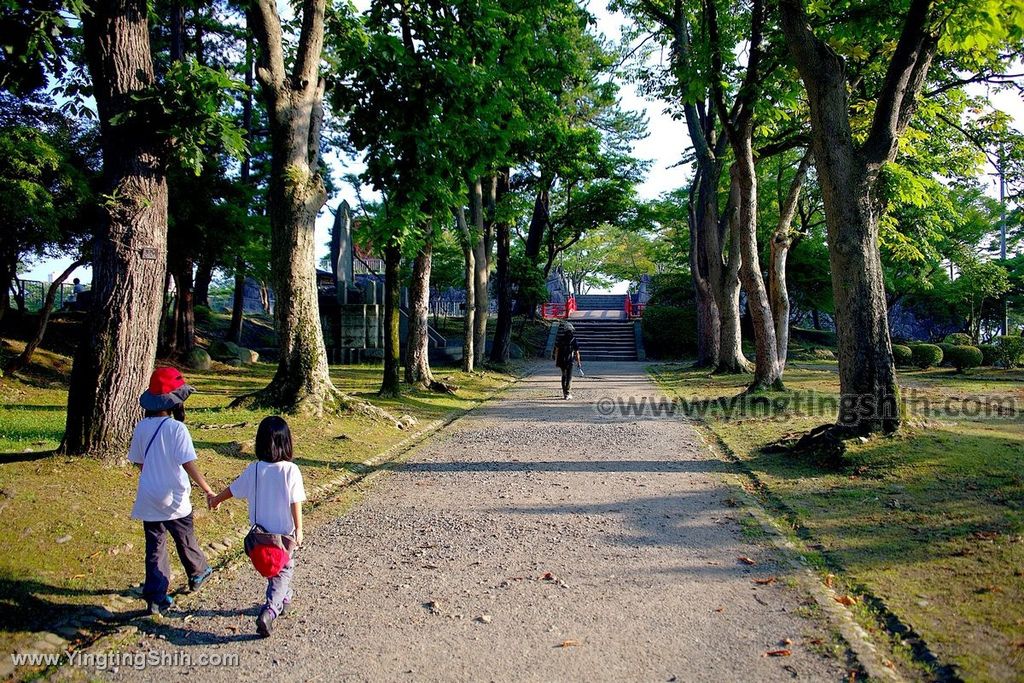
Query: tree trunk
x=726 y=286
x=115 y=357
x=183 y=338
x=501 y=346
x=417 y=358
x=527 y=303
x=847 y=173
x=466 y=240
x=709 y=326
x=238 y=303
x=25 y=357
x=6 y=277
x=767 y=369
x=782 y=240
x=481 y=204
x=201 y=288
x=296 y=195
x=391 y=384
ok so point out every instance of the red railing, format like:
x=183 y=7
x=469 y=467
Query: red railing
x=558 y=309
x=633 y=310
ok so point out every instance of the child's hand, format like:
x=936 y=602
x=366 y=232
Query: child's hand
x=298 y=536
x=211 y=501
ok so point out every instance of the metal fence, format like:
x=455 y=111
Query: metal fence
x=30 y=295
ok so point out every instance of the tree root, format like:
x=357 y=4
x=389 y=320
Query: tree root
x=313 y=404
x=442 y=387
x=824 y=445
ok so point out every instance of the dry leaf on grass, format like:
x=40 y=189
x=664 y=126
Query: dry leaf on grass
x=778 y=653
x=830 y=580
x=767 y=581
x=745 y=560
x=846 y=600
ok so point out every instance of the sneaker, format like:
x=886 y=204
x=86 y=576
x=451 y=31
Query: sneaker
x=162 y=605
x=284 y=607
x=265 y=622
x=568 y=397
x=199 y=579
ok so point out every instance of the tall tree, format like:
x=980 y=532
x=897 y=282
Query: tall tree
x=294 y=101
x=129 y=257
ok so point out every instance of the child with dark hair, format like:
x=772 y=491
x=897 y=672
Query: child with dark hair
x=162 y=450
x=273 y=488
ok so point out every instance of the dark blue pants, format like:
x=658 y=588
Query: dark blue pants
x=158 y=566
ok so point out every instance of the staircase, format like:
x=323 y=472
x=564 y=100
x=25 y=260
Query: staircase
x=601 y=302
x=606 y=340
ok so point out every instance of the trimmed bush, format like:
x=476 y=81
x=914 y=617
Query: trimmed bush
x=926 y=355
x=669 y=331
x=959 y=339
x=946 y=348
x=964 y=357
x=1010 y=351
x=820 y=337
x=989 y=354
x=902 y=355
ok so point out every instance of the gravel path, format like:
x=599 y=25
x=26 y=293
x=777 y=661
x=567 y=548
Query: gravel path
x=533 y=540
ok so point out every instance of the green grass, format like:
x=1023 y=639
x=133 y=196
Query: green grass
x=930 y=521
x=67 y=537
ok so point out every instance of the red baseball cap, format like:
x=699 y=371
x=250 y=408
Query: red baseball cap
x=269 y=560
x=167 y=388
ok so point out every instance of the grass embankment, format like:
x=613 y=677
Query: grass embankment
x=930 y=521
x=66 y=533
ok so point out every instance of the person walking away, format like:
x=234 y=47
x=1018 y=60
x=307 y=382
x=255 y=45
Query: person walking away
x=163 y=451
x=274 y=490
x=567 y=352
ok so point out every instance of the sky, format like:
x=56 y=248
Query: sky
x=664 y=146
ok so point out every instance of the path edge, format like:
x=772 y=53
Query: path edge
x=227 y=553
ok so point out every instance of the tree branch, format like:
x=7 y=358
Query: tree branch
x=311 y=44
x=266 y=26
x=903 y=81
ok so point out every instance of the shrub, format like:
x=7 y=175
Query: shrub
x=959 y=339
x=902 y=355
x=1010 y=351
x=820 y=337
x=989 y=353
x=926 y=355
x=946 y=348
x=963 y=357
x=669 y=331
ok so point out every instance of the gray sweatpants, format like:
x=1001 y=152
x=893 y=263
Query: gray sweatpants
x=279 y=588
x=158 y=566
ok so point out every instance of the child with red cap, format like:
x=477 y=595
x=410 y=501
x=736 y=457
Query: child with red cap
x=273 y=486
x=162 y=449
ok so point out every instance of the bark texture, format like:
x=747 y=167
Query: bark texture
x=848 y=172
x=238 y=304
x=116 y=354
x=296 y=194
x=417 y=359
x=501 y=346
x=782 y=240
x=482 y=211
x=391 y=384
x=466 y=240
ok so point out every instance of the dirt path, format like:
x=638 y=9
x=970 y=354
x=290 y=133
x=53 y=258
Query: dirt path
x=439 y=573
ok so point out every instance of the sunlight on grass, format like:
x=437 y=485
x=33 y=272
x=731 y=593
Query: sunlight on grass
x=931 y=520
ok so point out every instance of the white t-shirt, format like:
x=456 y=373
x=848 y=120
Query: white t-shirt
x=164 y=489
x=279 y=485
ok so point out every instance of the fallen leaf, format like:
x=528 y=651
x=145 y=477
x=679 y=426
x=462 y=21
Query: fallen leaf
x=430 y=566
x=78 y=576
x=830 y=579
x=767 y=581
x=787 y=641
x=778 y=653
x=569 y=643
x=548 y=576
x=233 y=629
x=846 y=600
x=720 y=609
x=745 y=560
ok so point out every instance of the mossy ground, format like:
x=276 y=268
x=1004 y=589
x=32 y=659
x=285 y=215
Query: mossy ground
x=930 y=521
x=66 y=533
